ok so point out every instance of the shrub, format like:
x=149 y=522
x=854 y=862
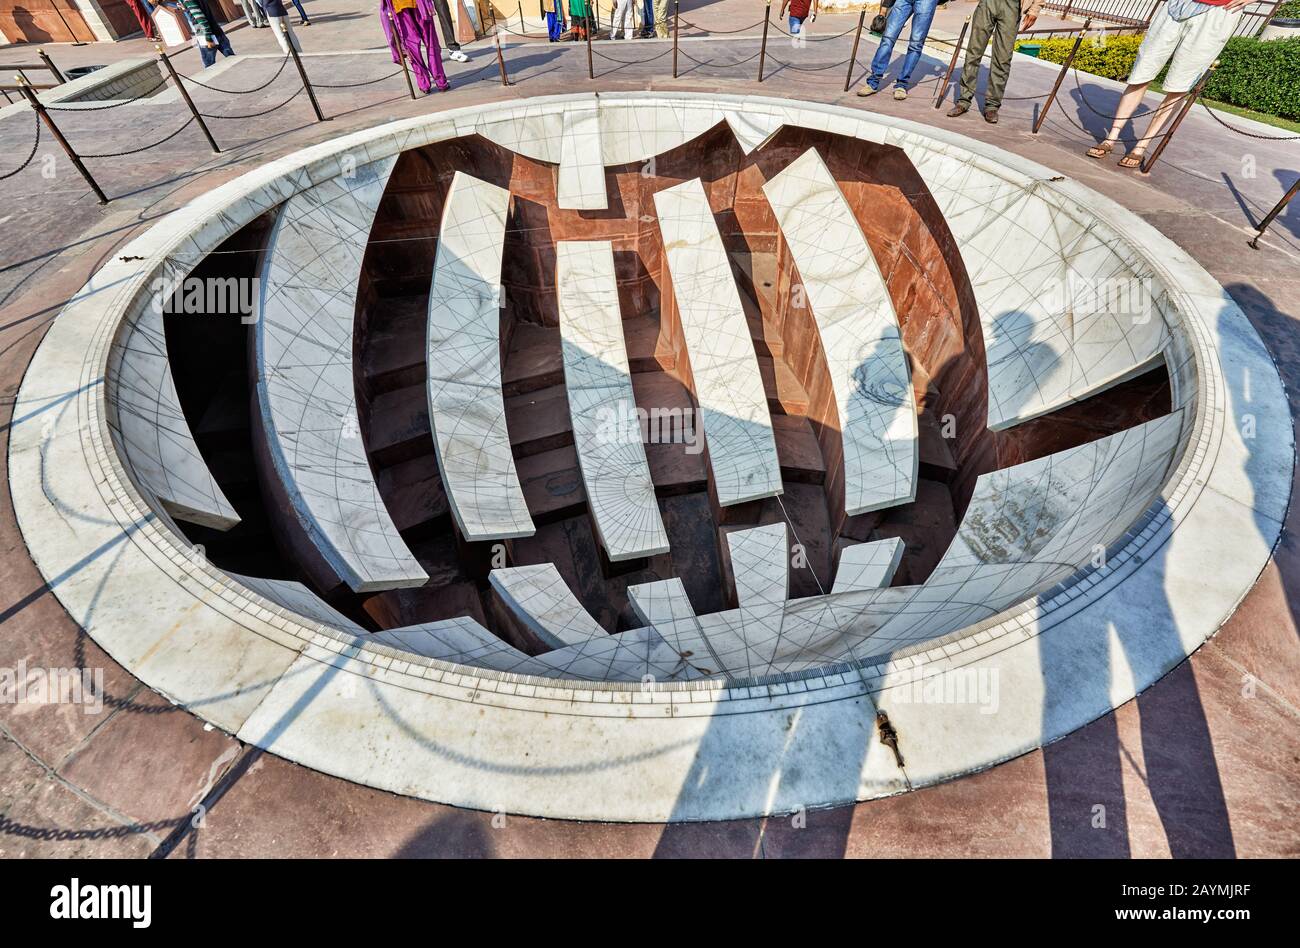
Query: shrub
x=1260 y=76
x=1288 y=11
x=1263 y=76
x=1111 y=57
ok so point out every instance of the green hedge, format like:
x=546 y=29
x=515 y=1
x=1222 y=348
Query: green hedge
x=1264 y=77
x=1288 y=11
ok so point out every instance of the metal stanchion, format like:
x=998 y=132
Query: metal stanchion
x=591 y=70
x=49 y=64
x=522 y=28
x=853 y=60
x=58 y=137
x=501 y=61
x=185 y=96
x=1253 y=243
x=677 y=16
x=1060 y=77
x=762 y=52
x=1151 y=159
x=952 y=64
x=401 y=56
x=302 y=73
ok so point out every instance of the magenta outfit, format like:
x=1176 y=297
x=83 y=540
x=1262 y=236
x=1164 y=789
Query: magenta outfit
x=414 y=29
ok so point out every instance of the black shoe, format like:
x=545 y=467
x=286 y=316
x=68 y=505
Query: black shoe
x=961 y=108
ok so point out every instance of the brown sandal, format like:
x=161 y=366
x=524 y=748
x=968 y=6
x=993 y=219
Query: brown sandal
x=1131 y=161
x=1100 y=151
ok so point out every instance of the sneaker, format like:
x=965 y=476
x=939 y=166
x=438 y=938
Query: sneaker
x=867 y=89
x=991 y=116
x=899 y=93
x=459 y=56
x=961 y=108
x=305 y=23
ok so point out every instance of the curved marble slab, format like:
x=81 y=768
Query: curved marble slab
x=147 y=419
x=1064 y=313
x=760 y=565
x=728 y=386
x=543 y=601
x=868 y=565
x=580 y=184
x=663 y=600
x=306 y=391
x=463 y=356
x=602 y=405
x=859 y=334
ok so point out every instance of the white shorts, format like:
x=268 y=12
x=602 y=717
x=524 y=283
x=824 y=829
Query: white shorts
x=1193 y=43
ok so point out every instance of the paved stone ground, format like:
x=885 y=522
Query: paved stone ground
x=1198 y=765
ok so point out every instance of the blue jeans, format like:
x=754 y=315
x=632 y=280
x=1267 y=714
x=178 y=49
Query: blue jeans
x=796 y=23
x=301 y=12
x=209 y=56
x=921 y=12
x=648 y=14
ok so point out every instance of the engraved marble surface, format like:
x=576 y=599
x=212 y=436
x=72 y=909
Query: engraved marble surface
x=615 y=473
x=581 y=181
x=859 y=333
x=306 y=392
x=543 y=601
x=463 y=357
x=868 y=565
x=728 y=386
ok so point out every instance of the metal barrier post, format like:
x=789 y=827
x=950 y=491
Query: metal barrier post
x=1069 y=61
x=677 y=16
x=952 y=64
x=49 y=64
x=762 y=52
x=302 y=73
x=501 y=61
x=58 y=136
x=185 y=96
x=1253 y=243
x=1151 y=159
x=853 y=60
x=591 y=25
x=401 y=55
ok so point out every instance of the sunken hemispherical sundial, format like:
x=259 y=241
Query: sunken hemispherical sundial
x=651 y=457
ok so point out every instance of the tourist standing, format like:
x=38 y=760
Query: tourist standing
x=799 y=11
x=661 y=18
x=921 y=12
x=1193 y=33
x=208 y=35
x=278 y=17
x=449 y=32
x=647 y=18
x=253 y=14
x=408 y=25
x=623 y=19
x=998 y=19
x=554 y=15
x=580 y=15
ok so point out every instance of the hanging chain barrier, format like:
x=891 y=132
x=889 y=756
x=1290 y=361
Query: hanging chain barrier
x=36 y=143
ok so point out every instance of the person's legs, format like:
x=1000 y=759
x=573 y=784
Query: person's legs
x=207 y=54
x=796 y=24
x=981 y=28
x=434 y=51
x=661 y=19
x=301 y=12
x=408 y=35
x=449 y=28
x=922 y=16
x=278 y=26
x=647 y=16
x=223 y=44
x=898 y=15
x=1007 y=22
x=288 y=28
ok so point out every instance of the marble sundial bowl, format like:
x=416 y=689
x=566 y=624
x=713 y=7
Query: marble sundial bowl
x=871 y=321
